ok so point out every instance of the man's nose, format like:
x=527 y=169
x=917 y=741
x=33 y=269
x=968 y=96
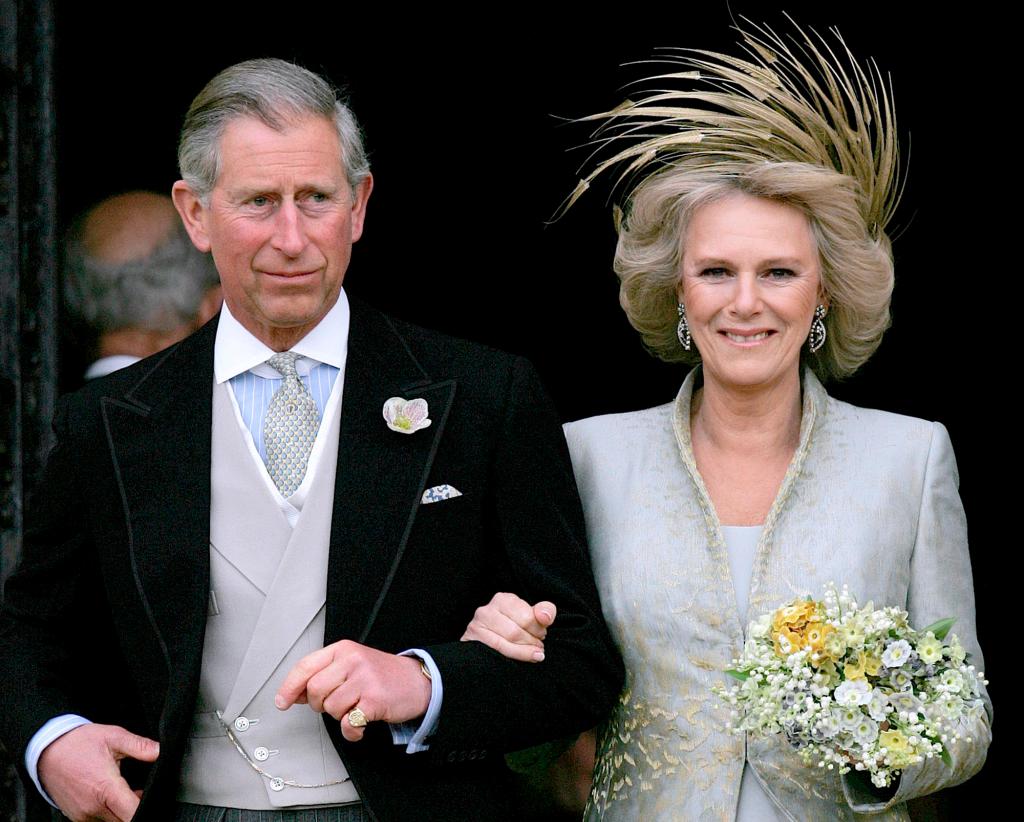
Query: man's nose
x=289 y=236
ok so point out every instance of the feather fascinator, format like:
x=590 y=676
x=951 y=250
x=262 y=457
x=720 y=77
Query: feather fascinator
x=803 y=98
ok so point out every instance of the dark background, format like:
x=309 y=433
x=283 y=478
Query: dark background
x=465 y=122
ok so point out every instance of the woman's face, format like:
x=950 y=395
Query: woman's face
x=750 y=283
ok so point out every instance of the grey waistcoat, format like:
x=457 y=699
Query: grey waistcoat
x=268 y=591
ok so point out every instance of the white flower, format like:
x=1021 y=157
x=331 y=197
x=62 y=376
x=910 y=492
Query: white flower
x=750 y=648
x=853 y=692
x=759 y=628
x=971 y=685
x=829 y=726
x=956 y=650
x=848 y=717
x=406 y=416
x=933 y=712
x=905 y=703
x=865 y=731
x=896 y=654
x=952 y=706
x=951 y=681
x=878 y=707
x=901 y=680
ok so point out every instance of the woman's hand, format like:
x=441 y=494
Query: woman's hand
x=512 y=627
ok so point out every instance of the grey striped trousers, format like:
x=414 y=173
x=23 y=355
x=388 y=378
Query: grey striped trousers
x=205 y=813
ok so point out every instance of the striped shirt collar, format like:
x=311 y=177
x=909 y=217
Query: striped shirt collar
x=237 y=351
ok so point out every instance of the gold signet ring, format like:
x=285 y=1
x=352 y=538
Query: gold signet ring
x=356 y=718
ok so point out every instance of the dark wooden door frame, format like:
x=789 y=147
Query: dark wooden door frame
x=28 y=288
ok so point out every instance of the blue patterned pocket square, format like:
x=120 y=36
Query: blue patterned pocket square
x=439 y=493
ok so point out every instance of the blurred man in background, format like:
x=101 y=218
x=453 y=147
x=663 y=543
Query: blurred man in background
x=134 y=281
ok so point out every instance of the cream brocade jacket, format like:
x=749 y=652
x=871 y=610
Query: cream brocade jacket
x=870 y=500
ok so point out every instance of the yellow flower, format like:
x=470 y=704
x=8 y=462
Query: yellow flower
x=816 y=633
x=854 y=636
x=898 y=750
x=855 y=668
x=894 y=742
x=798 y=613
x=829 y=674
x=929 y=649
x=787 y=642
x=835 y=645
x=871 y=664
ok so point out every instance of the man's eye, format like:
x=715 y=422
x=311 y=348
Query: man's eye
x=260 y=201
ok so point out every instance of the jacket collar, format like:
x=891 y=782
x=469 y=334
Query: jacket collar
x=814 y=409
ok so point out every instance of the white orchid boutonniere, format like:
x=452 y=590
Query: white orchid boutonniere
x=406 y=416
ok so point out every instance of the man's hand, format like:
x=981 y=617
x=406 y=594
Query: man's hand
x=80 y=772
x=347 y=675
x=512 y=627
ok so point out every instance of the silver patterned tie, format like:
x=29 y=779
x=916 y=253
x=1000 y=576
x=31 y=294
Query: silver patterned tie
x=291 y=426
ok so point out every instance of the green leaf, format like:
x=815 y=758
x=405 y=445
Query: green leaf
x=940 y=628
x=742 y=676
x=946 y=757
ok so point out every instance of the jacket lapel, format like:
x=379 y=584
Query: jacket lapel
x=381 y=474
x=159 y=439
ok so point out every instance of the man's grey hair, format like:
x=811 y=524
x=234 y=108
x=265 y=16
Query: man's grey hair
x=159 y=292
x=278 y=94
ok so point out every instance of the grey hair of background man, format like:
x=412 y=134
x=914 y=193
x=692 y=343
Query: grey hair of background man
x=275 y=92
x=159 y=292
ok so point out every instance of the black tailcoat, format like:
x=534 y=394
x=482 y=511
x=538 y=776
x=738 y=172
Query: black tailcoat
x=106 y=616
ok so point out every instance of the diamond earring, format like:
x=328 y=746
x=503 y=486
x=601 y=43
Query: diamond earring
x=818 y=334
x=683 y=329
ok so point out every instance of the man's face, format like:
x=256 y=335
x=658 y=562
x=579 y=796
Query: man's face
x=280 y=223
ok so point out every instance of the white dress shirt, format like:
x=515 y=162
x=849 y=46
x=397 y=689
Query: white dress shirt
x=241 y=359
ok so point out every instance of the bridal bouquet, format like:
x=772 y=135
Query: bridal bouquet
x=853 y=687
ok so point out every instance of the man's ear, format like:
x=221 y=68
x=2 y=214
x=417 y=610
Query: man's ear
x=362 y=195
x=193 y=214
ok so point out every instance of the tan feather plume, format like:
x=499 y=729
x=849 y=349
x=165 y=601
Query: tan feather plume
x=800 y=99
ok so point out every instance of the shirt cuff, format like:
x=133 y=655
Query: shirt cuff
x=407 y=733
x=50 y=732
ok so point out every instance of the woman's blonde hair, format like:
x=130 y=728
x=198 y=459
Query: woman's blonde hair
x=856 y=268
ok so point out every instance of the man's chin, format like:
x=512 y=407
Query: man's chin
x=291 y=315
